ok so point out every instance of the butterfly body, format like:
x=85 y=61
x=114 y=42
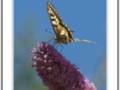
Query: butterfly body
x=63 y=33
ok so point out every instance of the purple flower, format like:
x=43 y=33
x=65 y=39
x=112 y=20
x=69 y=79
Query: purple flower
x=57 y=72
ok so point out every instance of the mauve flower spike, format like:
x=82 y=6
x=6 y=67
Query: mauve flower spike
x=57 y=72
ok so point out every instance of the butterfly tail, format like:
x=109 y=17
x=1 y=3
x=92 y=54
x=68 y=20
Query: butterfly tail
x=87 y=41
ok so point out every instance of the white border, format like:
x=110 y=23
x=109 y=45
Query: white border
x=8 y=45
x=111 y=45
x=0 y=44
x=119 y=41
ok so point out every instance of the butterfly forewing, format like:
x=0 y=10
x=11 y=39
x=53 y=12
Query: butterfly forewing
x=61 y=29
x=54 y=17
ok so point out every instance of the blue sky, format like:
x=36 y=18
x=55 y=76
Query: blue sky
x=87 y=18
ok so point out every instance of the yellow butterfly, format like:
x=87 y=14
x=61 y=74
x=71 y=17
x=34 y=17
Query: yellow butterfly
x=63 y=33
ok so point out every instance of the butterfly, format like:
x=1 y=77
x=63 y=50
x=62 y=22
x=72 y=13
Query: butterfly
x=62 y=31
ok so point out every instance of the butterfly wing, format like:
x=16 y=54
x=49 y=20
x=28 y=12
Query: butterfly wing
x=83 y=40
x=60 y=28
x=54 y=17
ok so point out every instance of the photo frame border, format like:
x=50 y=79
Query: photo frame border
x=8 y=46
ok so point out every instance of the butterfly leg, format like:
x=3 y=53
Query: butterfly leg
x=53 y=43
x=57 y=45
x=62 y=48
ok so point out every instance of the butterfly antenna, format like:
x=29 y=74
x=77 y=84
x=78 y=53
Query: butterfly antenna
x=50 y=40
x=50 y=32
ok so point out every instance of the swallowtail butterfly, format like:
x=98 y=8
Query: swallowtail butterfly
x=63 y=33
